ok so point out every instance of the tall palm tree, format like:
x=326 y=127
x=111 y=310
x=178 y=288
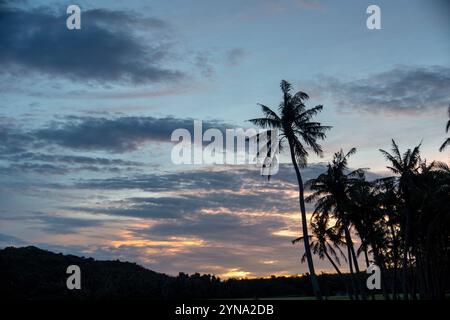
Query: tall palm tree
x=368 y=219
x=330 y=191
x=295 y=125
x=406 y=167
x=447 y=127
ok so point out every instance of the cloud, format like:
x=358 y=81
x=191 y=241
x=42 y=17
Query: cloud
x=65 y=225
x=71 y=159
x=218 y=228
x=41 y=150
x=106 y=49
x=231 y=178
x=40 y=163
x=234 y=57
x=402 y=90
x=39 y=168
x=203 y=63
x=189 y=194
x=7 y=240
x=115 y=134
x=12 y=139
x=212 y=221
x=18 y=156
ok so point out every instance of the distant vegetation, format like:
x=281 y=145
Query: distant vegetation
x=32 y=273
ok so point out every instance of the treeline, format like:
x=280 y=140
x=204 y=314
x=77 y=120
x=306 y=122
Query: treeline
x=32 y=273
x=402 y=222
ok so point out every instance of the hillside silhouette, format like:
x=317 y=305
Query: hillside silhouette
x=35 y=274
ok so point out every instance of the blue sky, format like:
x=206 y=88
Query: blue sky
x=86 y=116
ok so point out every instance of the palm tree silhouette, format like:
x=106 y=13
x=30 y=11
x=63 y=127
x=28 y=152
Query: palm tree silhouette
x=447 y=127
x=325 y=242
x=367 y=216
x=330 y=191
x=406 y=166
x=295 y=126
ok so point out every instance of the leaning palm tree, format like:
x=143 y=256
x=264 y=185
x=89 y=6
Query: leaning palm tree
x=447 y=141
x=295 y=126
x=325 y=242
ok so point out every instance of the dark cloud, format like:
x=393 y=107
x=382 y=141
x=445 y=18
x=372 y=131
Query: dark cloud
x=70 y=159
x=40 y=163
x=232 y=178
x=188 y=194
x=181 y=180
x=17 y=159
x=12 y=140
x=115 y=134
x=57 y=169
x=217 y=227
x=34 y=151
x=402 y=90
x=65 y=225
x=179 y=206
x=106 y=49
x=38 y=168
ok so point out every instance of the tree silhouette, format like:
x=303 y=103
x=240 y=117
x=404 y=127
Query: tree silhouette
x=447 y=127
x=301 y=133
x=406 y=167
x=325 y=242
x=330 y=193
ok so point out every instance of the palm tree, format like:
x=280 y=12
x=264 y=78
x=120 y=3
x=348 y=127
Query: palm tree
x=388 y=204
x=367 y=216
x=330 y=190
x=301 y=133
x=406 y=166
x=447 y=127
x=325 y=242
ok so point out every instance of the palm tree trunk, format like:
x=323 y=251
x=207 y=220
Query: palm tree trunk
x=352 y=275
x=405 y=267
x=314 y=281
x=339 y=273
x=379 y=261
x=395 y=248
x=332 y=262
x=366 y=256
x=351 y=249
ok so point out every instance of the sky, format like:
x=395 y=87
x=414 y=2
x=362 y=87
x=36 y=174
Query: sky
x=86 y=118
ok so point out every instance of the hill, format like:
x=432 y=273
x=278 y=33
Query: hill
x=36 y=274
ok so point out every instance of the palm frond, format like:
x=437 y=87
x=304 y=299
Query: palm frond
x=265 y=122
x=269 y=112
x=445 y=144
x=301 y=95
